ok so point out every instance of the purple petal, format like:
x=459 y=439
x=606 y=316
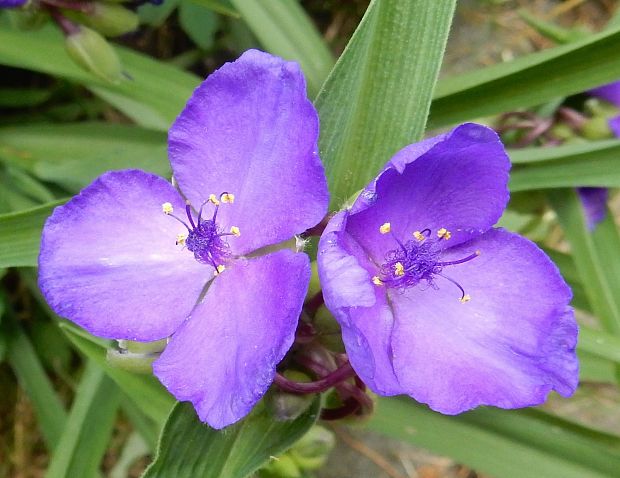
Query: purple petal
x=360 y=307
x=224 y=357
x=250 y=130
x=609 y=92
x=110 y=264
x=614 y=125
x=509 y=346
x=459 y=183
x=12 y=3
x=594 y=201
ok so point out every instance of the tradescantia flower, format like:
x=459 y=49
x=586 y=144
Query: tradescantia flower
x=433 y=301
x=129 y=258
x=12 y=3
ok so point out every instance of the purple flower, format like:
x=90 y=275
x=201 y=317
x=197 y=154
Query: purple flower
x=434 y=302
x=594 y=202
x=609 y=92
x=128 y=258
x=12 y=3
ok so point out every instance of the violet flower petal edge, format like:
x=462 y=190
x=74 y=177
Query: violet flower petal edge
x=224 y=356
x=109 y=261
x=360 y=308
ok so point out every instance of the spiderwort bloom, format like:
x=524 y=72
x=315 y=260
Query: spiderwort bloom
x=129 y=258
x=12 y=3
x=434 y=302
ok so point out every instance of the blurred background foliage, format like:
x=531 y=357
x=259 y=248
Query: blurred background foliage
x=65 y=411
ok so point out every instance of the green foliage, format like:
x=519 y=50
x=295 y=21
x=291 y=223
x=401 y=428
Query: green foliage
x=72 y=125
x=190 y=448
x=367 y=114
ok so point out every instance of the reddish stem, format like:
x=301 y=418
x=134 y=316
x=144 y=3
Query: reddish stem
x=318 y=386
x=66 y=25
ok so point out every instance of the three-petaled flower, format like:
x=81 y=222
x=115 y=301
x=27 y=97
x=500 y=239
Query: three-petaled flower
x=132 y=258
x=435 y=303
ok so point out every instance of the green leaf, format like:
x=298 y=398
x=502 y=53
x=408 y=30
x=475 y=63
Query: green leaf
x=20 y=235
x=49 y=410
x=283 y=28
x=155 y=15
x=376 y=99
x=144 y=390
x=528 y=81
x=589 y=164
x=199 y=22
x=596 y=255
x=567 y=267
x=599 y=344
x=23 y=97
x=89 y=427
x=189 y=448
x=503 y=443
x=72 y=155
x=218 y=7
x=152 y=98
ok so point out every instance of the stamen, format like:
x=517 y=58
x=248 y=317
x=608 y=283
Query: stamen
x=419 y=236
x=188 y=211
x=234 y=230
x=181 y=239
x=377 y=281
x=213 y=200
x=399 y=269
x=443 y=233
x=167 y=208
x=219 y=269
x=464 y=297
x=227 y=198
x=385 y=228
x=460 y=261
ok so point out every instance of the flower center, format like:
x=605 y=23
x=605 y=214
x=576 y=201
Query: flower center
x=418 y=260
x=204 y=237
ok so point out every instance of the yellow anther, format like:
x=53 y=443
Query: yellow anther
x=227 y=198
x=419 y=236
x=377 y=281
x=213 y=200
x=385 y=228
x=465 y=298
x=219 y=269
x=443 y=233
x=167 y=208
x=235 y=231
x=399 y=269
x=181 y=239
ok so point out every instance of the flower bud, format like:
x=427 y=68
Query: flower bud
x=93 y=53
x=108 y=19
x=312 y=451
x=596 y=128
x=281 y=467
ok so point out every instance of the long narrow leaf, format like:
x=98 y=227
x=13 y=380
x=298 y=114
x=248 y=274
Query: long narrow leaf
x=190 y=448
x=528 y=81
x=89 y=427
x=20 y=235
x=367 y=114
x=285 y=29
